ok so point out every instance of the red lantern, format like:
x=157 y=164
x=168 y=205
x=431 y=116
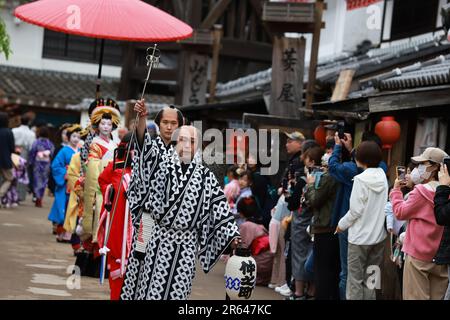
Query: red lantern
x=389 y=131
x=320 y=135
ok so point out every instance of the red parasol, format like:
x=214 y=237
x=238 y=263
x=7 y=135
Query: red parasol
x=128 y=20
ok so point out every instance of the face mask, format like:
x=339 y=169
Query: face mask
x=420 y=174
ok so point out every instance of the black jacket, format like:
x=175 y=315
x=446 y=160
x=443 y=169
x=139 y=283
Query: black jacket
x=6 y=148
x=442 y=214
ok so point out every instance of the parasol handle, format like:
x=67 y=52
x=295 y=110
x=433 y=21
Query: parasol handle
x=152 y=61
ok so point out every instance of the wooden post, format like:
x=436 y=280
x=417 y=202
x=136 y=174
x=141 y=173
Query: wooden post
x=217 y=34
x=318 y=12
x=288 y=62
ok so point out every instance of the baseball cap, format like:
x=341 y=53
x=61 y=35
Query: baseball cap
x=296 y=135
x=435 y=155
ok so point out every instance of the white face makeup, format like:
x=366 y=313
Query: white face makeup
x=105 y=127
x=74 y=139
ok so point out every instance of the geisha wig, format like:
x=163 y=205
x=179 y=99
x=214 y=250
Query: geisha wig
x=72 y=129
x=104 y=109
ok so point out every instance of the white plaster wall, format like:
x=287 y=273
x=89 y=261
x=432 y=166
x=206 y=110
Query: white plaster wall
x=363 y=24
x=331 y=37
x=27 y=44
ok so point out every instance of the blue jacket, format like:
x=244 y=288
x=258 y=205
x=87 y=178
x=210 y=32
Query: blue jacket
x=344 y=174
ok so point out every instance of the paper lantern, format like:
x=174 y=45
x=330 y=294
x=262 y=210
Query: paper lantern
x=240 y=275
x=389 y=131
x=320 y=135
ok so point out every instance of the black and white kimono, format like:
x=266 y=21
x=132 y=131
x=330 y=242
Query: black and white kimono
x=178 y=215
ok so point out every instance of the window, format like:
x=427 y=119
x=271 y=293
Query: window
x=76 y=48
x=413 y=17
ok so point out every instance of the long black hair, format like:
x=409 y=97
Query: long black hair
x=120 y=152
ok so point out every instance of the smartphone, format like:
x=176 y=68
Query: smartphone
x=447 y=162
x=401 y=172
x=340 y=130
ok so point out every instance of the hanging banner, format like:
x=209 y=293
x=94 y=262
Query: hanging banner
x=356 y=4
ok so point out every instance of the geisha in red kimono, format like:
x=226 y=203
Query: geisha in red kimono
x=116 y=219
x=104 y=119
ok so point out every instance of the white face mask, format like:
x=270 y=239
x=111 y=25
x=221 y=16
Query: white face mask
x=419 y=174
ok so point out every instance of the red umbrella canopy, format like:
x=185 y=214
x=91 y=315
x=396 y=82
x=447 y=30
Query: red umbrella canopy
x=128 y=20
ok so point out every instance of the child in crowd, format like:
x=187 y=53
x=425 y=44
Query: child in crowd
x=245 y=183
x=232 y=189
x=255 y=236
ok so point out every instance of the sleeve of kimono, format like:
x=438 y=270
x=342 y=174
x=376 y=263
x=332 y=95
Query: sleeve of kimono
x=59 y=168
x=145 y=161
x=105 y=178
x=218 y=227
x=32 y=154
x=73 y=171
x=143 y=157
x=244 y=230
x=91 y=186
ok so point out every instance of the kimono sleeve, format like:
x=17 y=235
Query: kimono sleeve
x=144 y=166
x=105 y=178
x=32 y=154
x=73 y=171
x=59 y=169
x=218 y=226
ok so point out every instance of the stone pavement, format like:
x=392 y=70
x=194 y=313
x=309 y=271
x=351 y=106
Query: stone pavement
x=35 y=266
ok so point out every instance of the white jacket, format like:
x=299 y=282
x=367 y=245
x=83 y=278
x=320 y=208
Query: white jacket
x=365 y=218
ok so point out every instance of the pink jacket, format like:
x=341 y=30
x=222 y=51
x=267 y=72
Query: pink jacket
x=423 y=234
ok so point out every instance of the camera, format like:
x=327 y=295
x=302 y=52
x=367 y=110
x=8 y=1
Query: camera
x=341 y=130
x=339 y=127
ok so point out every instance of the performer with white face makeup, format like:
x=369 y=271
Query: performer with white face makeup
x=59 y=172
x=104 y=119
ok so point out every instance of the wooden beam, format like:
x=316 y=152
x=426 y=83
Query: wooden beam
x=318 y=12
x=258 y=9
x=139 y=73
x=231 y=19
x=178 y=8
x=215 y=13
x=253 y=27
x=195 y=13
x=410 y=99
x=242 y=18
x=125 y=90
x=215 y=61
x=262 y=120
x=251 y=50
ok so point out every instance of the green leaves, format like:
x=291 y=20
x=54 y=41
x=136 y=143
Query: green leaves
x=4 y=40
